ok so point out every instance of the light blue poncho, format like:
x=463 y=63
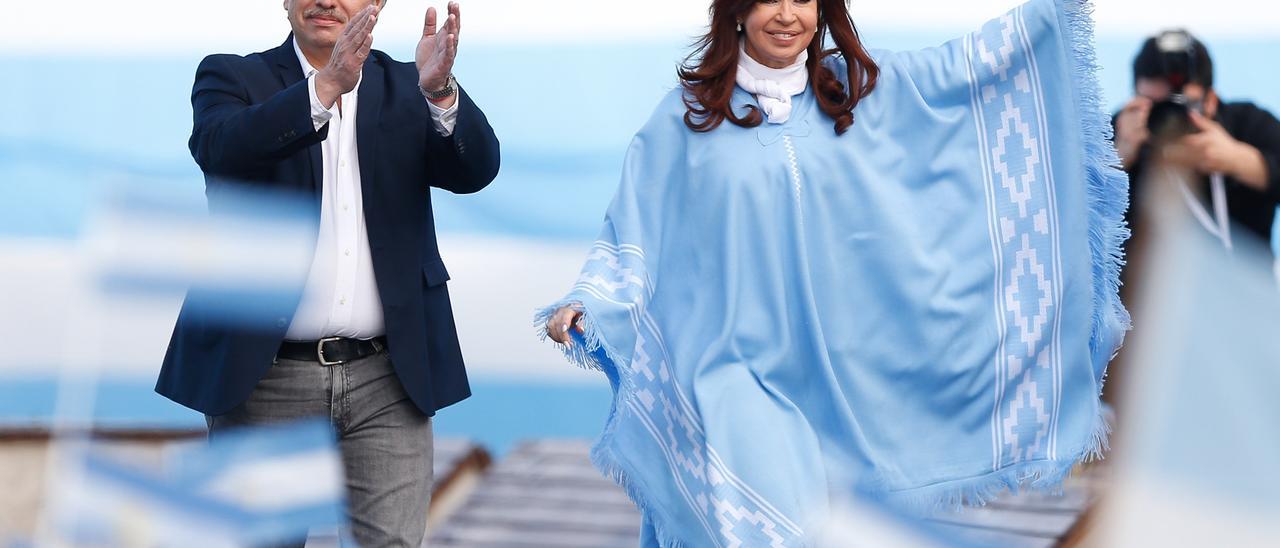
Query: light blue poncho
x=921 y=309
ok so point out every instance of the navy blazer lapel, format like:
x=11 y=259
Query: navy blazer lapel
x=284 y=61
x=372 y=94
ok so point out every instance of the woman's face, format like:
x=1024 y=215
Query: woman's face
x=778 y=30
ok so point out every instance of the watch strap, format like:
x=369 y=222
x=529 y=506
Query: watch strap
x=450 y=88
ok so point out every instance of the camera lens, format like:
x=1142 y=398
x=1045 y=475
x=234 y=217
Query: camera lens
x=1170 y=120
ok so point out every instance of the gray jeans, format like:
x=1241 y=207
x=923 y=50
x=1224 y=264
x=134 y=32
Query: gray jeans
x=384 y=438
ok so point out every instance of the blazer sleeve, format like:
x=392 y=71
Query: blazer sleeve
x=231 y=134
x=469 y=159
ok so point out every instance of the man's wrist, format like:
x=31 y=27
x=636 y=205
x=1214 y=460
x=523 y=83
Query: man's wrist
x=327 y=90
x=439 y=100
x=441 y=92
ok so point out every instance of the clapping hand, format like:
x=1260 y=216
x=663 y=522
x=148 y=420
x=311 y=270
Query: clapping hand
x=437 y=50
x=342 y=73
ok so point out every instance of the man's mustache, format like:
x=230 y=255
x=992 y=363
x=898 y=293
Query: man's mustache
x=321 y=12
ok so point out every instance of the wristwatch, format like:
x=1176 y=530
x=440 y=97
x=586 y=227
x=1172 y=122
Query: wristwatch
x=450 y=88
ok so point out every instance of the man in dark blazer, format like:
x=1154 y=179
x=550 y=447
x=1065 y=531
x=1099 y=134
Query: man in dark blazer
x=372 y=343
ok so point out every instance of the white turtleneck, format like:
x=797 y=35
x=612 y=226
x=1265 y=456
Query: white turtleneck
x=773 y=87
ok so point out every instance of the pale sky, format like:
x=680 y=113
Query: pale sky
x=183 y=26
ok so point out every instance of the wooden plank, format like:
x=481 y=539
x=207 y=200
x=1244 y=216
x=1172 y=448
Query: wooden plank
x=42 y=433
x=594 y=497
x=987 y=537
x=504 y=538
x=1031 y=523
x=546 y=518
x=570 y=447
x=1074 y=500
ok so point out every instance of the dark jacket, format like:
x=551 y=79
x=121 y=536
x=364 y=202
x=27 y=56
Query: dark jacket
x=1248 y=208
x=253 y=128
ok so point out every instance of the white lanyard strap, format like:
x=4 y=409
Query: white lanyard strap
x=1219 y=225
x=1218 y=189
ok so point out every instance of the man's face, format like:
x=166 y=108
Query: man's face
x=1157 y=90
x=318 y=23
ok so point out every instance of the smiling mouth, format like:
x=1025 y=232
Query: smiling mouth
x=325 y=21
x=784 y=35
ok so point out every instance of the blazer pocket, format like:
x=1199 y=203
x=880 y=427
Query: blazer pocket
x=434 y=272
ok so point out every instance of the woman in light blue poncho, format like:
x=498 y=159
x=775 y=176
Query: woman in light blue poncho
x=828 y=272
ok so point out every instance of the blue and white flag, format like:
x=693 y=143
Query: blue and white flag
x=251 y=487
x=242 y=263
x=101 y=287
x=922 y=308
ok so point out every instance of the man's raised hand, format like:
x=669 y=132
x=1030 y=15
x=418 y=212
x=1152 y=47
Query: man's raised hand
x=342 y=73
x=437 y=49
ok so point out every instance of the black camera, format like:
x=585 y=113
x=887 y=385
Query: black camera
x=1170 y=119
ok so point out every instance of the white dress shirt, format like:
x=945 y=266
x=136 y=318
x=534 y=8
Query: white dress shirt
x=341 y=295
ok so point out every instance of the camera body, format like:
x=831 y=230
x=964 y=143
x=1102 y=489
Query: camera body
x=1170 y=119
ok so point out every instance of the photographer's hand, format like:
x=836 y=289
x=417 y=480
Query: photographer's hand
x=1131 y=130
x=1213 y=150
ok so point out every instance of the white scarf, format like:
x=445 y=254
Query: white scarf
x=773 y=87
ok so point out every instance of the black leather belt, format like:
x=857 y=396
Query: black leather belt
x=331 y=350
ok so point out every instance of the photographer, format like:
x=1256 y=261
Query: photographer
x=1177 y=114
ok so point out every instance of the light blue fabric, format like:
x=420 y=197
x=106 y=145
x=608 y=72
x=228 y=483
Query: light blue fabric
x=1275 y=246
x=921 y=309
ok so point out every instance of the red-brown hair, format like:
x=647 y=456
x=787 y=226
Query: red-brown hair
x=709 y=73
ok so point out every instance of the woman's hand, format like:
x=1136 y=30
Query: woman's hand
x=560 y=323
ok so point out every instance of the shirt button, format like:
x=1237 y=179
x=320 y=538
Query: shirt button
x=342 y=163
x=347 y=252
x=342 y=301
x=346 y=208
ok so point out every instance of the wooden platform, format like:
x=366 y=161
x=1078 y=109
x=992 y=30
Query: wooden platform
x=547 y=494
x=544 y=493
x=1027 y=520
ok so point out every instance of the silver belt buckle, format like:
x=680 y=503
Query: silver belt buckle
x=320 y=351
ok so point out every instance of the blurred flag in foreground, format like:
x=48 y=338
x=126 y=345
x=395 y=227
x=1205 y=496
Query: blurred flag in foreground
x=104 y=290
x=252 y=487
x=1196 y=463
x=244 y=262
